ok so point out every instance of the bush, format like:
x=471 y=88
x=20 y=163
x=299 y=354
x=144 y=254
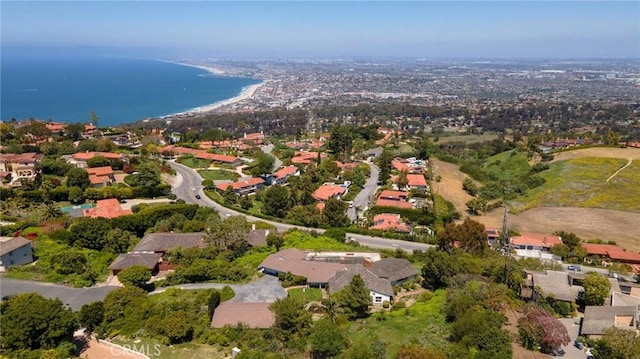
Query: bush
x=425 y=297
x=398 y=305
x=386 y=304
x=337 y=234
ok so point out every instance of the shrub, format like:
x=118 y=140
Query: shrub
x=398 y=305
x=385 y=304
x=425 y=297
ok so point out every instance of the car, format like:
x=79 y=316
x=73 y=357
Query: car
x=578 y=344
x=198 y=196
x=558 y=352
x=574 y=268
x=350 y=205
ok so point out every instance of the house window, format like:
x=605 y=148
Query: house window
x=377 y=299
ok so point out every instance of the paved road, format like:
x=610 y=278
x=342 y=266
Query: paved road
x=267 y=149
x=362 y=199
x=191 y=185
x=603 y=271
x=263 y=290
x=75 y=297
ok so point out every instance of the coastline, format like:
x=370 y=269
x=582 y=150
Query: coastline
x=246 y=93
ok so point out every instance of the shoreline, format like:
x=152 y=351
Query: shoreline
x=246 y=92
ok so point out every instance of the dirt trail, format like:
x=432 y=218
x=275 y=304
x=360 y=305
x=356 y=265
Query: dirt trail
x=618 y=171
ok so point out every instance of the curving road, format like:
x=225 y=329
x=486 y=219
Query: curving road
x=191 y=185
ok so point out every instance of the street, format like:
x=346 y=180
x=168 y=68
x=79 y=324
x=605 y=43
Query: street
x=361 y=202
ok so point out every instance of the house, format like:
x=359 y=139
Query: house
x=373 y=153
x=221 y=159
x=597 y=319
x=241 y=187
x=253 y=315
x=396 y=270
x=398 y=199
x=282 y=175
x=106 y=208
x=533 y=241
x=493 y=236
x=151 y=261
x=561 y=286
x=257 y=237
x=14 y=251
x=327 y=191
x=380 y=289
x=20 y=165
x=80 y=159
x=306 y=158
x=609 y=252
x=101 y=176
x=56 y=128
x=256 y=138
x=162 y=242
x=318 y=268
x=389 y=222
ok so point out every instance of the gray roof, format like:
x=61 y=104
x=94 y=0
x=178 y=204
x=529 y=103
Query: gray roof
x=598 y=319
x=162 y=242
x=557 y=284
x=374 y=283
x=374 y=151
x=293 y=260
x=622 y=300
x=10 y=244
x=257 y=237
x=149 y=260
x=393 y=269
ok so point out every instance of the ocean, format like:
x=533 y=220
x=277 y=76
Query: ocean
x=117 y=90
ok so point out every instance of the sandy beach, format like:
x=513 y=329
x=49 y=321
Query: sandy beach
x=245 y=94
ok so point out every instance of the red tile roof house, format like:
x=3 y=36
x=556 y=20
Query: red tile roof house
x=222 y=159
x=256 y=138
x=101 y=176
x=282 y=175
x=389 y=222
x=80 y=159
x=306 y=158
x=493 y=236
x=535 y=245
x=106 y=208
x=20 y=165
x=398 y=199
x=327 y=191
x=611 y=252
x=243 y=186
x=417 y=181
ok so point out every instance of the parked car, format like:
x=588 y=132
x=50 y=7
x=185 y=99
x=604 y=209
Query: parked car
x=198 y=196
x=574 y=268
x=578 y=344
x=558 y=352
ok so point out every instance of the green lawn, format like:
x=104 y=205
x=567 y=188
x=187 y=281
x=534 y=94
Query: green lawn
x=193 y=162
x=353 y=192
x=306 y=294
x=422 y=324
x=509 y=164
x=215 y=175
x=301 y=240
x=582 y=182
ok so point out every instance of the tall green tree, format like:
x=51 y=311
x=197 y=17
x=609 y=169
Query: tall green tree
x=136 y=276
x=230 y=234
x=384 y=162
x=277 y=201
x=30 y=321
x=596 y=289
x=77 y=177
x=292 y=320
x=333 y=213
x=617 y=343
x=354 y=299
x=326 y=339
x=263 y=164
x=91 y=316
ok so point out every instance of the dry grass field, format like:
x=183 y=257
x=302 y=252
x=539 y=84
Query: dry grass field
x=622 y=226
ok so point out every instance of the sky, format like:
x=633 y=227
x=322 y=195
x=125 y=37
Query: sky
x=328 y=29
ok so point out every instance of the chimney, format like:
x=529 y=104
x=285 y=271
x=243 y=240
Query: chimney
x=253 y=226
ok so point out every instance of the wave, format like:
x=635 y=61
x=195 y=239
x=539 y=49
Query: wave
x=29 y=90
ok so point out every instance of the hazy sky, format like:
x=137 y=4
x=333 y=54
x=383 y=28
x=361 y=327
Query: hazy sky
x=328 y=29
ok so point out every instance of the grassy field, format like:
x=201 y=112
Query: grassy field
x=468 y=138
x=421 y=324
x=306 y=294
x=582 y=182
x=509 y=164
x=215 y=175
x=194 y=162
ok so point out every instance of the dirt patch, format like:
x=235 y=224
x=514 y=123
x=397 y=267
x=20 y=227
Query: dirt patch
x=511 y=326
x=610 y=152
x=91 y=349
x=587 y=223
x=450 y=185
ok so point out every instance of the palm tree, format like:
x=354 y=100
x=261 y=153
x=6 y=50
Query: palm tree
x=49 y=211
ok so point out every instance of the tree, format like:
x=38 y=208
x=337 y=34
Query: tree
x=91 y=316
x=617 y=343
x=476 y=205
x=275 y=240
x=229 y=196
x=333 y=213
x=469 y=234
x=540 y=328
x=402 y=180
x=277 y=201
x=292 y=320
x=118 y=240
x=596 y=289
x=308 y=216
x=90 y=233
x=340 y=141
x=245 y=202
x=124 y=305
x=438 y=269
x=263 y=164
x=208 y=184
x=148 y=176
x=98 y=161
x=326 y=339
x=77 y=177
x=75 y=195
x=230 y=234
x=419 y=353
x=74 y=131
x=49 y=211
x=136 y=276
x=30 y=321
x=355 y=298
x=385 y=165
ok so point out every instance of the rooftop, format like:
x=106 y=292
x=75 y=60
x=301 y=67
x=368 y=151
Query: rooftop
x=10 y=244
x=148 y=260
x=598 y=319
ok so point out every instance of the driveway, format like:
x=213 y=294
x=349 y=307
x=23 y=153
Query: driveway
x=573 y=327
x=263 y=290
x=362 y=199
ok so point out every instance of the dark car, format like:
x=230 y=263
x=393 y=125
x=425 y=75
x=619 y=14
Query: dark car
x=198 y=196
x=558 y=352
x=574 y=268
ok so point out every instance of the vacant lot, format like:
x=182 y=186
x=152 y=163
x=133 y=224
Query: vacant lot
x=216 y=175
x=450 y=184
x=468 y=138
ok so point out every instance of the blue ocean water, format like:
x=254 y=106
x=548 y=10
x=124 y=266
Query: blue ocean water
x=117 y=90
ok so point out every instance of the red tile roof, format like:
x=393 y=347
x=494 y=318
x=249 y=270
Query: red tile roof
x=253 y=181
x=216 y=157
x=599 y=249
x=100 y=171
x=536 y=240
x=106 y=208
x=28 y=157
x=416 y=180
x=393 y=203
x=389 y=194
x=399 y=164
x=388 y=221
x=623 y=256
x=84 y=156
x=327 y=191
x=285 y=172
